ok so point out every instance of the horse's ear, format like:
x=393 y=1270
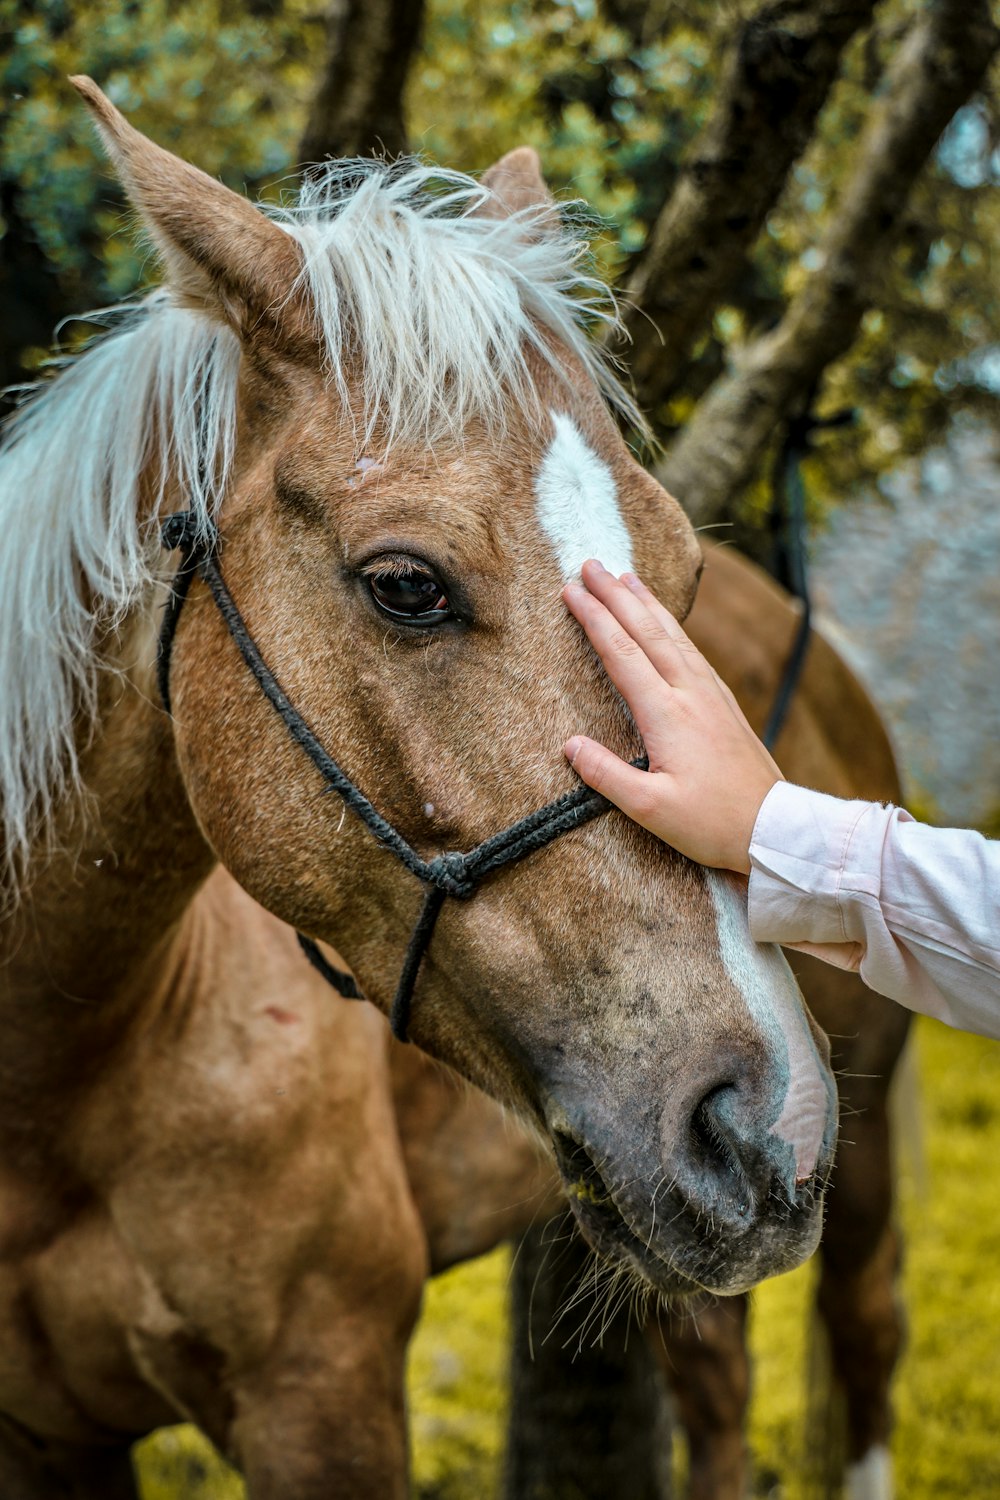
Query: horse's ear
x=516 y=183
x=221 y=254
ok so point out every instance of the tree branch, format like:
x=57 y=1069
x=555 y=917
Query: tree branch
x=939 y=65
x=776 y=78
x=358 y=108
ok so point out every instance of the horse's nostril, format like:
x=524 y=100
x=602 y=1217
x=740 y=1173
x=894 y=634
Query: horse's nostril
x=715 y=1153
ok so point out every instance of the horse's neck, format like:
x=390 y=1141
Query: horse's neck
x=96 y=933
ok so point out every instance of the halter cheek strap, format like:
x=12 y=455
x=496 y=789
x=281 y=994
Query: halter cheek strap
x=453 y=874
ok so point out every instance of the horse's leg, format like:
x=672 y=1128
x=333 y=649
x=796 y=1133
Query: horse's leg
x=857 y=1296
x=588 y=1412
x=864 y=1326
x=319 y=1410
x=33 y=1468
x=704 y=1357
x=327 y=1422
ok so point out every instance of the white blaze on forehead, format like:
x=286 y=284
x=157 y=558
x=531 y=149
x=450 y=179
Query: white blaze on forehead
x=577 y=503
x=761 y=974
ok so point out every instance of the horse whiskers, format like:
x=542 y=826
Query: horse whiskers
x=652 y=1202
x=631 y=1289
x=605 y=1281
x=643 y=1295
x=619 y=1293
x=604 y=1311
x=560 y=1220
x=612 y=1288
x=587 y=1284
x=579 y=1289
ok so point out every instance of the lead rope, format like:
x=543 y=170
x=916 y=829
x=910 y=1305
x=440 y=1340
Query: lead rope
x=453 y=874
x=788 y=521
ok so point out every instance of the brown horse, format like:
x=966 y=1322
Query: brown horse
x=474 y=1180
x=382 y=413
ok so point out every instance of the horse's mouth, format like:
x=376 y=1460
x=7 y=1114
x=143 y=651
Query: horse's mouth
x=605 y=1226
x=721 y=1265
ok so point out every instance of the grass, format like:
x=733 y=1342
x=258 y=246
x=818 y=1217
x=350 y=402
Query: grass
x=947 y=1441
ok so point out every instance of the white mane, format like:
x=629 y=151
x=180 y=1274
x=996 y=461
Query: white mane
x=432 y=304
x=439 y=300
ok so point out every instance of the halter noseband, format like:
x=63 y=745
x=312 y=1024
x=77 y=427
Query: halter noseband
x=452 y=874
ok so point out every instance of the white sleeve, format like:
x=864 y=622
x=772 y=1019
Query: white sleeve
x=915 y=909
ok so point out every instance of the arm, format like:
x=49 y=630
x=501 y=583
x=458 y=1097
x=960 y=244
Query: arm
x=916 y=909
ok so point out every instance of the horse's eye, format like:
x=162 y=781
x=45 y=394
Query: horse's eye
x=409 y=593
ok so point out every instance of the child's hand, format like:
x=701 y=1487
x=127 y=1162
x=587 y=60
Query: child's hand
x=708 y=772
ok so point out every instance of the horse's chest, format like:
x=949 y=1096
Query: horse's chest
x=66 y=1288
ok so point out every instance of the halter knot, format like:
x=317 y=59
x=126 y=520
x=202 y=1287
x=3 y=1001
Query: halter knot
x=179 y=531
x=450 y=873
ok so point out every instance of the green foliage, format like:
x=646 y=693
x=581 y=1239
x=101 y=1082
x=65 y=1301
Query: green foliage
x=612 y=114
x=612 y=122
x=609 y=119
x=207 y=78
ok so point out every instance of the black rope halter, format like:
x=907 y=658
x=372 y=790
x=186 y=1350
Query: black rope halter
x=453 y=874
x=791 y=567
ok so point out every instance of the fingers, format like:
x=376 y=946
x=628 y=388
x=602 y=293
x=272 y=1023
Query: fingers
x=695 y=660
x=654 y=630
x=663 y=617
x=645 y=656
x=734 y=706
x=709 y=772
x=624 y=785
x=626 y=663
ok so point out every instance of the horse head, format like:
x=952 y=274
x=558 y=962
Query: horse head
x=408 y=442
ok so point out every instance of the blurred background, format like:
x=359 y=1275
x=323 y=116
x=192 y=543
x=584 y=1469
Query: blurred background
x=797 y=201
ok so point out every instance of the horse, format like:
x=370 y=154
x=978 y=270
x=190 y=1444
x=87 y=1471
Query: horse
x=476 y=1180
x=388 y=439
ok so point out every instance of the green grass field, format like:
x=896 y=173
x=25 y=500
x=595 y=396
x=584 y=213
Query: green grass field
x=947 y=1441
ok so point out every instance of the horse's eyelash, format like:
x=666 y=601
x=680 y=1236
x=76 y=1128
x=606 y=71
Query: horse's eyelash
x=397 y=567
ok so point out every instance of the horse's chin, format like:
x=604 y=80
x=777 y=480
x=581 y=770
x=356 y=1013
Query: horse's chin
x=608 y=1231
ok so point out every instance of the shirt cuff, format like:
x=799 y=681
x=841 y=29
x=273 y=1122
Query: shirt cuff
x=798 y=855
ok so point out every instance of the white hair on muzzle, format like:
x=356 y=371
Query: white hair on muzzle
x=431 y=304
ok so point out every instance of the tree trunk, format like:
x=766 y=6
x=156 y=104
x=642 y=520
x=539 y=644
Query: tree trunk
x=358 y=108
x=779 y=70
x=935 y=71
